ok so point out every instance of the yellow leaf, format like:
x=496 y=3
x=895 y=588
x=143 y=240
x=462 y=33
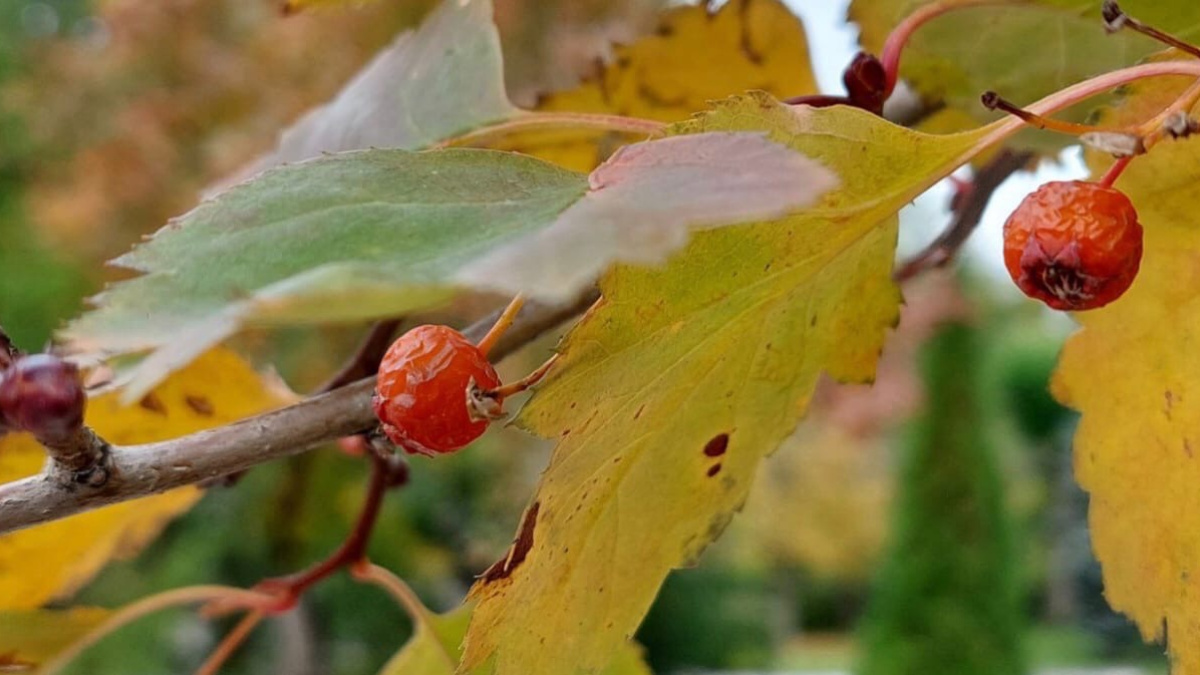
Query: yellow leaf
x=1024 y=50
x=836 y=489
x=290 y=6
x=32 y=637
x=55 y=559
x=435 y=648
x=694 y=57
x=1134 y=373
x=674 y=388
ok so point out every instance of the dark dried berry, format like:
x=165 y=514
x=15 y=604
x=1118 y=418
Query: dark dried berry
x=44 y=395
x=866 y=83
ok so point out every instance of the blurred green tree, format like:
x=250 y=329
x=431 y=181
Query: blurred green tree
x=947 y=598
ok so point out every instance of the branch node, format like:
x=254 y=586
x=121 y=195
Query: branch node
x=82 y=459
x=1114 y=18
x=1180 y=125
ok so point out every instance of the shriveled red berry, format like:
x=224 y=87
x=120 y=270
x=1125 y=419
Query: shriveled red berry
x=421 y=395
x=44 y=395
x=1074 y=245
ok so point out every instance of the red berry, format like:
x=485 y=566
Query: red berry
x=44 y=395
x=425 y=380
x=1073 y=245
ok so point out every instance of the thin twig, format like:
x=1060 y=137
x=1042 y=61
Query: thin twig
x=553 y=121
x=143 y=470
x=126 y=615
x=230 y=644
x=365 y=361
x=352 y=550
x=1115 y=19
x=967 y=214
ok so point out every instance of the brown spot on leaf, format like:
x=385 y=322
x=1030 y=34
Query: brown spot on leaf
x=714 y=470
x=153 y=403
x=503 y=568
x=1187 y=447
x=199 y=405
x=638 y=414
x=716 y=446
x=10 y=662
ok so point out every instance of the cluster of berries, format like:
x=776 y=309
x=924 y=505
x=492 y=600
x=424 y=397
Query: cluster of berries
x=43 y=395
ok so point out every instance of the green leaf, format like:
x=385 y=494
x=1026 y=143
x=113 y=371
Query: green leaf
x=675 y=387
x=348 y=236
x=1023 y=50
x=443 y=79
x=380 y=232
x=644 y=201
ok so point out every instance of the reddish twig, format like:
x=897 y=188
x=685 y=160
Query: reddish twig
x=967 y=214
x=363 y=363
x=384 y=475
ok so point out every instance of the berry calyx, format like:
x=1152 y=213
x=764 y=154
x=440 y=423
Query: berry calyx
x=44 y=395
x=431 y=393
x=1074 y=245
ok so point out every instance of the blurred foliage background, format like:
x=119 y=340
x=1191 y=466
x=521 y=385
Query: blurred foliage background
x=114 y=114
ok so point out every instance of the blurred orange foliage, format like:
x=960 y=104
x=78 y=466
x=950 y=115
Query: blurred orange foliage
x=158 y=99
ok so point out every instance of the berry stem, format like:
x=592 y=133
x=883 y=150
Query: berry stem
x=1158 y=127
x=503 y=323
x=352 y=550
x=368 y=572
x=144 y=607
x=1076 y=93
x=231 y=643
x=993 y=101
x=898 y=38
x=1114 y=172
x=818 y=100
x=513 y=388
x=549 y=121
x=1115 y=19
x=285 y=591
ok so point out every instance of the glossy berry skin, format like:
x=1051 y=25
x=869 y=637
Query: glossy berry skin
x=44 y=395
x=422 y=390
x=1074 y=245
